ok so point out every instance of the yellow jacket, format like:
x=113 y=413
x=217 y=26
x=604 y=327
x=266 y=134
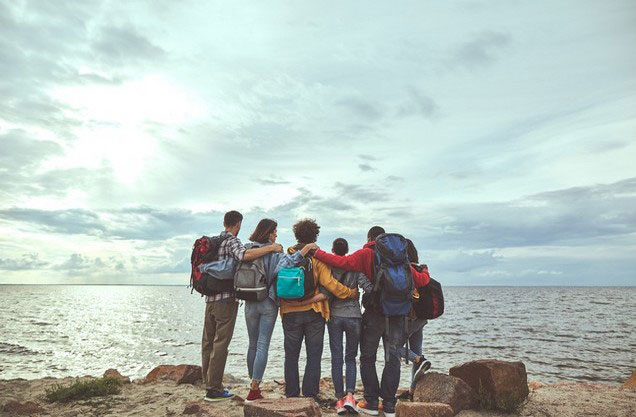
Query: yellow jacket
x=324 y=278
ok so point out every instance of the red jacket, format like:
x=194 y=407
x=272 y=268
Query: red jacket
x=362 y=261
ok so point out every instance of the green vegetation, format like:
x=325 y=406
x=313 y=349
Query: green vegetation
x=83 y=390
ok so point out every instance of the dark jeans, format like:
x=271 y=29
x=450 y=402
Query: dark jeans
x=350 y=326
x=311 y=326
x=373 y=328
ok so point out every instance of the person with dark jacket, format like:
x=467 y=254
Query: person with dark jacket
x=374 y=326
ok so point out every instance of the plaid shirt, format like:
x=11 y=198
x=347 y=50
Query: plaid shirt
x=230 y=247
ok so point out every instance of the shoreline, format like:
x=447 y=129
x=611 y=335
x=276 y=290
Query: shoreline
x=167 y=398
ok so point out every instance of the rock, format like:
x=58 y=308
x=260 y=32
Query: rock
x=22 y=409
x=535 y=385
x=192 y=408
x=205 y=410
x=434 y=387
x=284 y=407
x=631 y=382
x=412 y=409
x=499 y=384
x=114 y=373
x=181 y=374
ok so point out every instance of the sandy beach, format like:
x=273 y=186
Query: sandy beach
x=166 y=398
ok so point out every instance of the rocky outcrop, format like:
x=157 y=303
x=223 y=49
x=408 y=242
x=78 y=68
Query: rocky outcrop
x=181 y=374
x=499 y=384
x=284 y=407
x=434 y=387
x=411 y=409
x=22 y=409
x=631 y=382
x=114 y=373
x=199 y=409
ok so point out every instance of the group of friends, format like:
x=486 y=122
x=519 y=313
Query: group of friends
x=335 y=303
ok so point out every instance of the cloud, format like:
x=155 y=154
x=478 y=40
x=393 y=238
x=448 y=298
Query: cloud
x=119 y=45
x=574 y=215
x=29 y=261
x=482 y=50
x=366 y=167
x=359 y=193
x=418 y=104
x=361 y=107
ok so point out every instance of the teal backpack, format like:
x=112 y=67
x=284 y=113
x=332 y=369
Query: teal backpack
x=296 y=283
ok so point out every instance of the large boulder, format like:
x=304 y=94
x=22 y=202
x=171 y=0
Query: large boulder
x=114 y=373
x=283 y=407
x=499 y=384
x=434 y=387
x=22 y=409
x=631 y=382
x=412 y=409
x=181 y=374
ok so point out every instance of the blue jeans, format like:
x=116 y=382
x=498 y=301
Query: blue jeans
x=296 y=326
x=350 y=326
x=260 y=319
x=373 y=328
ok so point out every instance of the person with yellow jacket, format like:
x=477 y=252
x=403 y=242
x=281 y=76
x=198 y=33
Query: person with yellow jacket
x=306 y=319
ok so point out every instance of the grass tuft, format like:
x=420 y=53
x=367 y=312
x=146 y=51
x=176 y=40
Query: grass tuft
x=83 y=390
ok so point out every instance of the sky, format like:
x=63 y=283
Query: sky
x=498 y=135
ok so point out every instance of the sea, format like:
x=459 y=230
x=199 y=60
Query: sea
x=583 y=334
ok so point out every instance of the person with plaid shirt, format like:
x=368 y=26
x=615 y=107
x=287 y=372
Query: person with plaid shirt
x=221 y=310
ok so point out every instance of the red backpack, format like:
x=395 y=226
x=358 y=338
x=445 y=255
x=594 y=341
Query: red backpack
x=204 y=250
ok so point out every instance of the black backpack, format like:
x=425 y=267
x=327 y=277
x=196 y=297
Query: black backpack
x=430 y=304
x=205 y=250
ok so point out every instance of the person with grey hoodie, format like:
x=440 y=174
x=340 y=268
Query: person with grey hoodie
x=346 y=318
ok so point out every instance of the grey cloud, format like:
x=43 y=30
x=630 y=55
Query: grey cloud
x=482 y=50
x=18 y=151
x=361 y=107
x=123 y=44
x=368 y=157
x=140 y=223
x=463 y=261
x=359 y=193
x=569 y=216
x=394 y=178
x=272 y=181
x=418 y=104
x=28 y=261
x=366 y=167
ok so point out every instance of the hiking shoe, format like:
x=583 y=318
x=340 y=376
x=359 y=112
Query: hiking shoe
x=213 y=396
x=364 y=408
x=350 y=404
x=389 y=413
x=340 y=406
x=422 y=367
x=253 y=395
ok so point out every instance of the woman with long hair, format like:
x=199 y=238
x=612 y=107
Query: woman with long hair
x=260 y=316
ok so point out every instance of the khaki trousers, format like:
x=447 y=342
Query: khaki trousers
x=220 y=317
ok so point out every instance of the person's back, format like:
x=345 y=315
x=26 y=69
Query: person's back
x=306 y=319
x=346 y=319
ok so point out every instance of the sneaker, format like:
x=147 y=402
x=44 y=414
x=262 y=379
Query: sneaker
x=213 y=396
x=422 y=367
x=350 y=404
x=340 y=406
x=389 y=413
x=253 y=395
x=364 y=408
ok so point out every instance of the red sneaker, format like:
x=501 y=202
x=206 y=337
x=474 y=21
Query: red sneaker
x=340 y=406
x=254 y=394
x=350 y=404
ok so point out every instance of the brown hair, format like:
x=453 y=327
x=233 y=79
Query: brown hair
x=412 y=251
x=306 y=231
x=263 y=230
x=232 y=218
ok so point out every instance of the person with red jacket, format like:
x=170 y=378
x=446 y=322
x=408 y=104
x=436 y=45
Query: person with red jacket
x=374 y=327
